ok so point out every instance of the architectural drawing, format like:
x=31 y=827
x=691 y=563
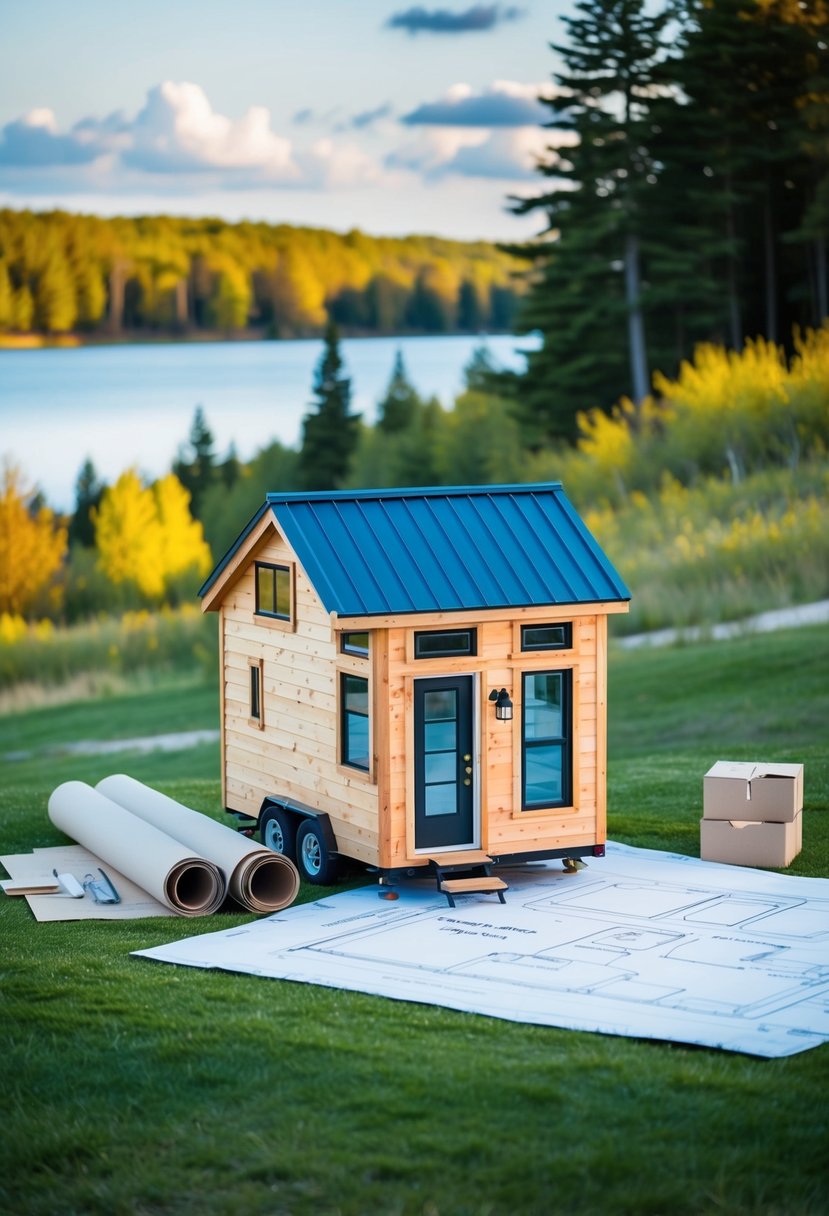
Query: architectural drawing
x=643 y=944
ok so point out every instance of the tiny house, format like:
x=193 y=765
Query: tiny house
x=416 y=678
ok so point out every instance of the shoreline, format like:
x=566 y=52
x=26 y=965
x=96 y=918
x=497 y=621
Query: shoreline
x=74 y=341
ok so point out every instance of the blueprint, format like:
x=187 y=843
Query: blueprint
x=640 y=943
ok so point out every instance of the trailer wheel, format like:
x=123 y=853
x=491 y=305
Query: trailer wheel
x=313 y=856
x=277 y=831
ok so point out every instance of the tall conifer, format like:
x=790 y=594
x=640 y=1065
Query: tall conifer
x=330 y=431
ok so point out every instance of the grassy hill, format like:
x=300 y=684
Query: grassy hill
x=130 y=1088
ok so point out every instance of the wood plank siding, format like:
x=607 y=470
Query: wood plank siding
x=292 y=749
x=295 y=753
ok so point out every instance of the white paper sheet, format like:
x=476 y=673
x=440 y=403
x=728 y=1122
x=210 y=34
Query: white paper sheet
x=640 y=943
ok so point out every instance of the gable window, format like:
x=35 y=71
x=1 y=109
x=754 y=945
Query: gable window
x=354 y=739
x=256 y=706
x=546 y=737
x=273 y=591
x=445 y=643
x=547 y=637
x=356 y=644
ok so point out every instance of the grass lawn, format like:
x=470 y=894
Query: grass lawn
x=134 y=1089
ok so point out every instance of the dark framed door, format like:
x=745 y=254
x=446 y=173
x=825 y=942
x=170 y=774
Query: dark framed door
x=444 y=762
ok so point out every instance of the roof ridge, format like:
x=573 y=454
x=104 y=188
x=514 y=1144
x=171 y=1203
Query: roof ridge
x=410 y=492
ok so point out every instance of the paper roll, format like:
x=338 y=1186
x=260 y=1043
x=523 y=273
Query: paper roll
x=258 y=879
x=160 y=865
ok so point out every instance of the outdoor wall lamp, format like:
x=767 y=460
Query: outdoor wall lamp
x=503 y=705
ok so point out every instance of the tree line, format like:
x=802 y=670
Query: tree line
x=726 y=417
x=686 y=196
x=62 y=273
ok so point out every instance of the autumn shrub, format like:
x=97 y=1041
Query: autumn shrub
x=169 y=640
x=715 y=551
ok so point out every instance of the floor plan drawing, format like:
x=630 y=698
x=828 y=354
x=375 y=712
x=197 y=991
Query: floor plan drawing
x=641 y=943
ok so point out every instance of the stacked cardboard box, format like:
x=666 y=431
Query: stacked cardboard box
x=752 y=813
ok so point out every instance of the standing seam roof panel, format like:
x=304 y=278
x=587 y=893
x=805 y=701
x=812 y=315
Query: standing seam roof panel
x=398 y=552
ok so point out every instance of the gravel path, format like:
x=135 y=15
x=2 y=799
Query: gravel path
x=765 y=622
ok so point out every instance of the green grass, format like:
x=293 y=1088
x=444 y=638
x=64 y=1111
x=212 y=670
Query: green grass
x=134 y=1089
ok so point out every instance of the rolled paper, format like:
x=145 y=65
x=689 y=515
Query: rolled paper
x=258 y=879
x=189 y=885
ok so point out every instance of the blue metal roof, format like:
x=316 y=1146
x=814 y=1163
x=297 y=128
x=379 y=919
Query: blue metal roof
x=383 y=552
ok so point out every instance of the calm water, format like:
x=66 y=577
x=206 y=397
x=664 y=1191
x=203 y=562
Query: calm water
x=133 y=405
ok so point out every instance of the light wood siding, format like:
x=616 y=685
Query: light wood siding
x=499 y=663
x=296 y=754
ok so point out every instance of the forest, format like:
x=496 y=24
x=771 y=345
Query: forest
x=162 y=276
x=685 y=196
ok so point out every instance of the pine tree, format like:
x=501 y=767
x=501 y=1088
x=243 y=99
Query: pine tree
x=398 y=408
x=198 y=473
x=88 y=491
x=331 y=431
x=589 y=299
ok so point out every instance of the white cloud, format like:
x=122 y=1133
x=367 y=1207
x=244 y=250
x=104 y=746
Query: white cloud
x=178 y=131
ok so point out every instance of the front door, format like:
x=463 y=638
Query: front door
x=444 y=763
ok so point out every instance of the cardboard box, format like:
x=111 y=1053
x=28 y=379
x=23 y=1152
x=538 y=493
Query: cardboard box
x=745 y=842
x=768 y=793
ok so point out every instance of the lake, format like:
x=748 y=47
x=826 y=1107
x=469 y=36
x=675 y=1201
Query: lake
x=133 y=405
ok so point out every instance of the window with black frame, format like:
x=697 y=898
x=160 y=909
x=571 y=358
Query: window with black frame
x=546 y=736
x=354 y=721
x=273 y=591
x=555 y=636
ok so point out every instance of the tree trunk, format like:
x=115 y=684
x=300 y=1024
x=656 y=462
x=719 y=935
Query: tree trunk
x=771 y=270
x=820 y=278
x=734 y=315
x=636 y=325
x=116 y=297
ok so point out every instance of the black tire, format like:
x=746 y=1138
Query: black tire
x=278 y=831
x=313 y=857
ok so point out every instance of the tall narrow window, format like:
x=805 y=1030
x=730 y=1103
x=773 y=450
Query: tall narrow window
x=546 y=736
x=354 y=722
x=257 y=715
x=273 y=591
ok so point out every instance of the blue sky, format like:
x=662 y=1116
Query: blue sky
x=383 y=115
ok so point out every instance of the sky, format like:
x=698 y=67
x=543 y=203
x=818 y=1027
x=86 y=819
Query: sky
x=382 y=115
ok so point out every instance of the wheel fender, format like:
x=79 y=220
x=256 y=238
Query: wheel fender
x=322 y=818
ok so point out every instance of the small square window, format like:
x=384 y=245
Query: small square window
x=547 y=637
x=273 y=591
x=445 y=643
x=356 y=644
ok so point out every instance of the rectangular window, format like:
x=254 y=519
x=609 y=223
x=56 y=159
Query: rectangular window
x=547 y=637
x=445 y=644
x=354 y=711
x=273 y=591
x=355 y=643
x=257 y=714
x=546 y=768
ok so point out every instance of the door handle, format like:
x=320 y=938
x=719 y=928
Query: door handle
x=467 y=780
x=467 y=757
x=467 y=771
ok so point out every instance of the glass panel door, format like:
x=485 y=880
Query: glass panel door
x=444 y=764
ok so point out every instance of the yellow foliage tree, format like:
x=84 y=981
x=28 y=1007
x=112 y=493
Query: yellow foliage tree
x=181 y=543
x=32 y=544
x=146 y=535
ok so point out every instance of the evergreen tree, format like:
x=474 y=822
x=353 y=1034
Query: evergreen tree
x=733 y=156
x=198 y=473
x=397 y=411
x=588 y=300
x=88 y=491
x=330 y=432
